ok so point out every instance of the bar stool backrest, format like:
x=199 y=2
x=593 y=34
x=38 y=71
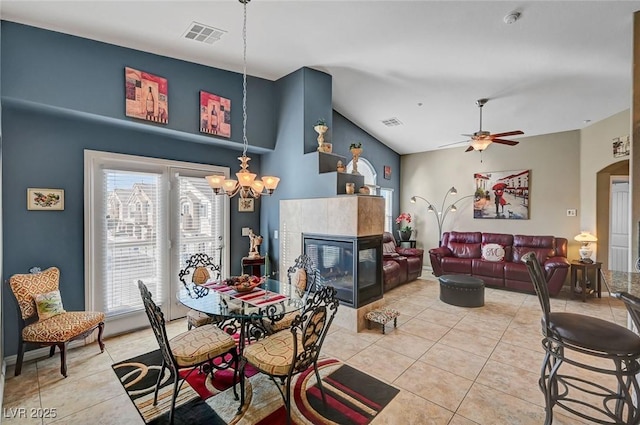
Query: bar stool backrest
x=537 y=278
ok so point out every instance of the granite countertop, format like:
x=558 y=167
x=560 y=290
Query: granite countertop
x=617 y=282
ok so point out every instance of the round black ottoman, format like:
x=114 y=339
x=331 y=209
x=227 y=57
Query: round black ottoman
x=461 y=290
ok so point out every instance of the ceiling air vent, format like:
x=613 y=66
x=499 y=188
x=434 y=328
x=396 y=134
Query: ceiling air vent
x=392 y=122
x=203 y=33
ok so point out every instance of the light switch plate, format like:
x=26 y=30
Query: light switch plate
x=245 y=231
x=571 y=213
x=275 y=234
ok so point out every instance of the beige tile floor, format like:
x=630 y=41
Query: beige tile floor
x=453 y=365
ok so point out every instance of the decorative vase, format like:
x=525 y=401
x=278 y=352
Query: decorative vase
x=350 y=188
x=405 y=235
x=321 y=129
x=340 y=167
x=364 y=190
x=356 y=154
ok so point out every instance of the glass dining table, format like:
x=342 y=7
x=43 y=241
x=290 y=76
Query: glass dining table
x=245 y=314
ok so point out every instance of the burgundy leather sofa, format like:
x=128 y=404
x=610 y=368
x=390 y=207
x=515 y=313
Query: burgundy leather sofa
x=474 y=253
x=399 y=265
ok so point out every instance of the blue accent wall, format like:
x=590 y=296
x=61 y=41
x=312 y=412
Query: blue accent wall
x=63 y=94
x=302 y=99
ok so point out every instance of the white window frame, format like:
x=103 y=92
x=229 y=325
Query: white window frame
x=94 y=161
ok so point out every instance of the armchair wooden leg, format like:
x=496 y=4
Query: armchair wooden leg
x=63 y=358
x=100 y=331
x=20 y=357
x=52 y=350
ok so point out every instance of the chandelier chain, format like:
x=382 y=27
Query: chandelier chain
x=245 y=142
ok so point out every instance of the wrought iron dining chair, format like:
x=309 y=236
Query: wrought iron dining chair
x=42 y=319
x=583 y=341
x=291 y=351
x=303 y=277
x=191 y=349
x=199 y=269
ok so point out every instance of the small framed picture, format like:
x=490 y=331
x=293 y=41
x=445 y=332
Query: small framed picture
x=245 y=205
x=45 y=199
x=387 y=172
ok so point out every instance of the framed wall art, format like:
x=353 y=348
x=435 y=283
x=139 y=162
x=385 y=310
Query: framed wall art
x=147 y=96
x=215 y=114
x=245 y=204
x=621 y=146
x=502 y=195
x=45 y=199
x=387 y=172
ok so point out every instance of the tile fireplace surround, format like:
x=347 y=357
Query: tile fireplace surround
x=342 y=215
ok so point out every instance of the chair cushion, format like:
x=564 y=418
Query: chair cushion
x=26 y=286
x=299 y=280
x=199 y=345
x=197 y=319
x=200 y=275
x=594 y=334
x=283 y=323
x=49 y=305
x=273 y=355
x=62 y=327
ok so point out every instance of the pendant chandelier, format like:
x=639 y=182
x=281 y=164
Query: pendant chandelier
x=246 y=185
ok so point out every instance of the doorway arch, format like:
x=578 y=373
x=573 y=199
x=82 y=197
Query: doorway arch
x=603 y=196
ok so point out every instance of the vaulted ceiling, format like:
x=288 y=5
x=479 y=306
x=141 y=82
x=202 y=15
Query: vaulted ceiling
x=561 y=65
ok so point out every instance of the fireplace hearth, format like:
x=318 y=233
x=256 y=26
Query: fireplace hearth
x=353 y=265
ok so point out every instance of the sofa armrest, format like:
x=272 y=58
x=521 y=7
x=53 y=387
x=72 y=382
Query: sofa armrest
x=410 y=252
x=436 y=255
x=441 y=251
x=556 y=263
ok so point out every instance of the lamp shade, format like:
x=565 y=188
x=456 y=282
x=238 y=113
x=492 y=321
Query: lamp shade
x=585 y=237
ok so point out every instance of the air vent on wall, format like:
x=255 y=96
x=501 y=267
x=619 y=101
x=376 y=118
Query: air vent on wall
x=392 y=122
x=203 y=33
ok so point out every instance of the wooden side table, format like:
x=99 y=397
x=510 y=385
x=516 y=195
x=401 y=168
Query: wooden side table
x=252 y=265
x=584 y=271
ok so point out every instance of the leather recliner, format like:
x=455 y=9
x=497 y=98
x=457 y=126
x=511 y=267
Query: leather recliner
x=399 y=265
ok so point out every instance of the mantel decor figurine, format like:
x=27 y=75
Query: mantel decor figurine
x=356 y=150
x=256 y=241
x=321 y=128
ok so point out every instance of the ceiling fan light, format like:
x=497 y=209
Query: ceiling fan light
x=480 y=144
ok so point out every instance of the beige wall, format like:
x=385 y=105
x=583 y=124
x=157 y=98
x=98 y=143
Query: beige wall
x=596 y=153
x=554 y=161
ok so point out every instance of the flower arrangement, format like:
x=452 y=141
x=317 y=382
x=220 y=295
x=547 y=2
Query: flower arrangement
x=404 y=217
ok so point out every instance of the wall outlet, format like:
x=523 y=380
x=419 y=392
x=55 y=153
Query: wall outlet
x=572 y=212
x=245 y=231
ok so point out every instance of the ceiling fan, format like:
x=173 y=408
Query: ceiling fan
x=481 y=139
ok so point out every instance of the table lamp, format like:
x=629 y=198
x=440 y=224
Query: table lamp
x=585 y=238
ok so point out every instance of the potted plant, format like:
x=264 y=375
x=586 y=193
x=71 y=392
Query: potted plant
x=405 y=231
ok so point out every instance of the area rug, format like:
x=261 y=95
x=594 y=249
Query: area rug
x=352 y=397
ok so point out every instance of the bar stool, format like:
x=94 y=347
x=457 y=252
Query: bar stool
x=567 y=338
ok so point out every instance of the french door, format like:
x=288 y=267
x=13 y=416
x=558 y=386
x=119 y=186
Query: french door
x=144 y=218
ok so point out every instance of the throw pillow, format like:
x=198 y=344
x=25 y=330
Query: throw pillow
x=49 y=305
x=492 y=252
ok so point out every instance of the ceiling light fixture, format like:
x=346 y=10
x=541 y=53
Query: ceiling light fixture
x=246 y=186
